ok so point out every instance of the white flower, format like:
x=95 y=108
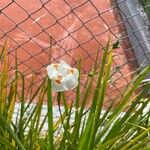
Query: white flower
x=63 y=76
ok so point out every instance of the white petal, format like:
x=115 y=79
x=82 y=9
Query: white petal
x=57 y=87
x=64 y=64
x=63 y=68
x=69 y=82
x=76 y=74
x=51 y=71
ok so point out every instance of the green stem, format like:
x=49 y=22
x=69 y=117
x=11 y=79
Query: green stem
x=50 y=117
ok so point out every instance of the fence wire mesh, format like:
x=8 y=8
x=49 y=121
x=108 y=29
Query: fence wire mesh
x=46 y=31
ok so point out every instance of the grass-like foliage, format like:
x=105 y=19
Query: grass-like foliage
x=146 y=5
x=122 y=127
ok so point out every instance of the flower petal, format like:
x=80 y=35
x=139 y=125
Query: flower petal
x=57 y=87
x=64 y=64
x=76 y=73
x=63 y=68
x=51 y=71
x=69 y=82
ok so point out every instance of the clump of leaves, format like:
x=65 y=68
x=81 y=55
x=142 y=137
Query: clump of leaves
x=126 y=126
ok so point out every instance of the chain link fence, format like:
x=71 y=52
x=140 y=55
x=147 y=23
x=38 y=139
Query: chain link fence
x=46 y=31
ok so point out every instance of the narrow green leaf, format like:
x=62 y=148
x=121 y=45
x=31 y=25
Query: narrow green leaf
x=85 y=136
x=100 y=100
x=7 y=143
x=50 y=116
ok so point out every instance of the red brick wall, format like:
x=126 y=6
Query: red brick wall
x=78 y=29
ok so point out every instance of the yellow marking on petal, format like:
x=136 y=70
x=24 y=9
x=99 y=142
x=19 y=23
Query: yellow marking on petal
x=70 y=71
x=55 y=66
x=58 y=79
